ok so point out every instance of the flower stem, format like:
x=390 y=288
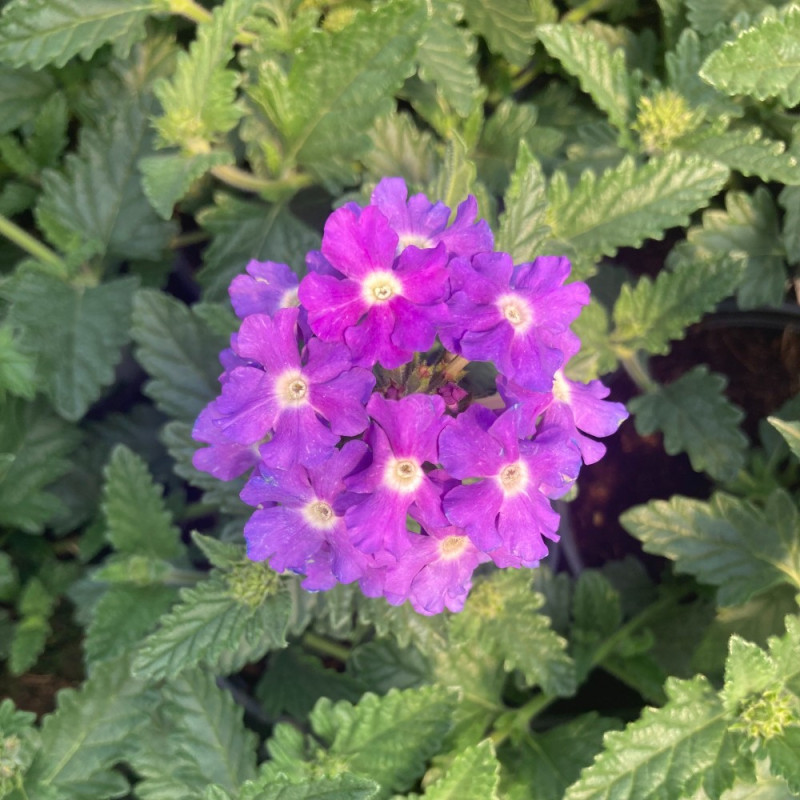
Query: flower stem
x=34 y=247
x=638 y=372
x=271 y=189
x=584 y=10
x=326 y=647
x=518 y=720
x=190 y=10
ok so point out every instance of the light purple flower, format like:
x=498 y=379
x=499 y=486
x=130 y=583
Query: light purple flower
x=403 y=439
x=517 y=317
x=298 y=525
x=384 y=308
x=267 y=287
x=307 y=404
x=226 y=458
x=508 y=507
x=423 y=224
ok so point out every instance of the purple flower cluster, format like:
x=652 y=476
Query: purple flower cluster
x=376 y=456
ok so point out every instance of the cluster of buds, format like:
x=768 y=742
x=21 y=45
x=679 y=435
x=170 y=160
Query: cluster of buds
x=380 y=452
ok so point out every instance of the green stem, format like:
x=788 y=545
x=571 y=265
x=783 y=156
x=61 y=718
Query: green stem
x=247 y=182
x=325 y=646
x=519 y=719
x=190 y=10
x=186 y=239
x=584 y=10
x=639 y=373
x=33 y=246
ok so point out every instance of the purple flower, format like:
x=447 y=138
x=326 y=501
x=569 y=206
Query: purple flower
x=298 y=524
x=508 y=508
x=517 y=317
x=226 y=458
x=383 y=307
x=395 y=484
x=267 y=287
x=436 y=573
x=294 y=399
x=423 y=224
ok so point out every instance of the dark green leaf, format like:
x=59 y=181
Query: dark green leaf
x=21 y=93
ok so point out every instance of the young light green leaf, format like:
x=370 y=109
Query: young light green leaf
x=122 y=617
x=695 y=417
x=650 y=314
x=215 y=617
x=523 y=224
x=138 y=522
x=342 y=786
x=167 y=177
x=98 y=199
x=199 y=101
x=509 y=26
x=389 y=738
x=629 y=204
x=520 y=635
x=341 y=82
x=179 y=352
x=601 y=71
x=726 y=543
x=41 y=32
x=763 y=61
x=35 y=446
x=545 y=764
x=790 y=432
x=473 y=775
x=665 y=754
x=446 y=59
x=242 y=231
x=747 y=232
x=92 y=324
x=88 y=734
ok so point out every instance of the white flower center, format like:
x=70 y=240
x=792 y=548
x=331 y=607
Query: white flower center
x=414 y=239
x=292 y=389
x=516 y=310
x=561 y=390
x=320 y=514
x=380 y=287
x=513 y=478
x=403 y=475
x=290 y=298
x=452 y=547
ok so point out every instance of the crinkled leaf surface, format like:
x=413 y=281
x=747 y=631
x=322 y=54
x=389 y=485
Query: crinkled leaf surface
x=473 y=775
x=22 y=91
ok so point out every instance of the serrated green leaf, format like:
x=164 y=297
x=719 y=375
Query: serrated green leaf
x=92 y=324
x=387 y=738
x=596 y=612
x=545 y=764
x=763 y=61
x=21 y=93
x=747 y=232
x=381 y=665
x=767 y=788
x=338 y=787
x=242 y=231
x=201 y=740
x=727 y=543
x=87 y=735
x=473 y=775
x=601 y=71
x=650 y=314
x=98 y=199
x=629 y=204
x=790 y=432
x=122 y=617
x=167 y=177
x=705 y=15
x=41 y=32
x=523 y=224
x=789 y=198
x=208 y=621
x=695 y=417
x=17 y=368
x=400 y=148
x=199 y=100
x=509 y=26
x=596 y=356
x=667 y=753
x=138 y=522
x=782 y=752
x=456 y=178
x=27 y=643
x=503 y=618
x=35 y=444
x=446 y=59
x=339 y=83
x=179 y=352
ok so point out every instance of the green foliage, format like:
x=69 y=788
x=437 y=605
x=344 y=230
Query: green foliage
x=761 y=61
x=790 y=432
x=473 y=775
x=46 y=32
x=717 y=445
x=727 y=542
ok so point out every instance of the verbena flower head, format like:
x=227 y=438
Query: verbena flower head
x=378 y=453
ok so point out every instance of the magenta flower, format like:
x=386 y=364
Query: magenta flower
x=307 y=404
x=517 y=317
x=384 y=308
x=298 y=525
x=423 y=224
x=508 y=508
x=403 y=439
